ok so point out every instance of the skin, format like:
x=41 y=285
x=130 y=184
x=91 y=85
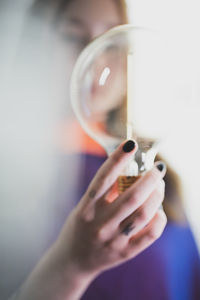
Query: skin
x=82 y=22
x=87 y=19
x=92 y=238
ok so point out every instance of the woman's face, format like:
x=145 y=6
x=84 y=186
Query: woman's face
x=82 y=21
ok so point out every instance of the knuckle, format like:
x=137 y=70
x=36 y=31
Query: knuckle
x=142 y=214
x=91 y=193
x=162 y=187
x=159 y=192
x=134 y=197
x=110 y=246
x=154 y=233
x=81 y=215
x=104 y=180
x=101 y=234
x=153 y=175
x=163 y=217
x=157 y=227
x=126 y=203
x=163 y=184
x=101 y=179
x=108 y=181
x=86 y=214
x=123 y=254
x=159 y=195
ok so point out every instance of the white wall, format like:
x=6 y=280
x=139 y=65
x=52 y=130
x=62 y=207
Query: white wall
x=179 y=22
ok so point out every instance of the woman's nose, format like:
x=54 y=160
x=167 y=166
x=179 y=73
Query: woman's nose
x=97 y=30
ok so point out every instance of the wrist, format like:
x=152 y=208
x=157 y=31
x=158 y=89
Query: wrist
x=55 y=278
x=74 y=278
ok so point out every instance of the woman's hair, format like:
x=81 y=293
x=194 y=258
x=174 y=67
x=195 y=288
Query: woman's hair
x=172 y=204
x=41 y=8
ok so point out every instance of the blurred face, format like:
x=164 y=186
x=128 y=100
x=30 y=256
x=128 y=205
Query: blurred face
x=82 y=22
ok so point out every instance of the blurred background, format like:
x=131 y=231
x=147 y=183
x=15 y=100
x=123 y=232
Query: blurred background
x=32 y=108
x=179 y=22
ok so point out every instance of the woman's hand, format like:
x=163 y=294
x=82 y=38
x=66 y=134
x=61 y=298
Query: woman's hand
x=100 y=234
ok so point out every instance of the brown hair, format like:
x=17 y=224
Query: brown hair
x=41 y=8
x=121 y=4
x=173 y=202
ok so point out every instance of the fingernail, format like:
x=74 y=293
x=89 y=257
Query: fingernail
x=129 y=146
x=161 y=166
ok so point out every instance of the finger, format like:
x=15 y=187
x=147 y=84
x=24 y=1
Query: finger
x=110 y=170
x=136 y=221
x=147 y=236
x=134 y=197
x=142 y=216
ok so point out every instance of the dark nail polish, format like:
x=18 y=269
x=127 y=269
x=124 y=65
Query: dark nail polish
x=160 y=167
x=129 y=146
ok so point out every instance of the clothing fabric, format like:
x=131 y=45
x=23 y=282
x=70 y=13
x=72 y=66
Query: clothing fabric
x=167 y=270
